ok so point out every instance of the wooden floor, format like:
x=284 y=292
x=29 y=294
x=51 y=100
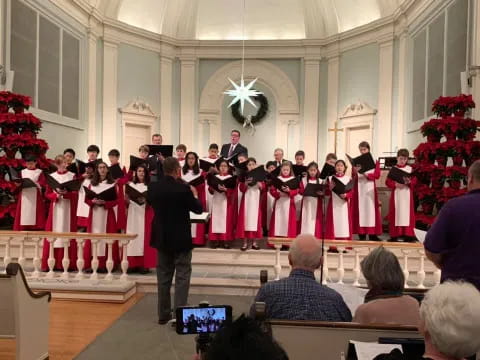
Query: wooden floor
x=74 y=325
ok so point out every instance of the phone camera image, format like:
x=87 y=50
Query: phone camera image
x=202 y=320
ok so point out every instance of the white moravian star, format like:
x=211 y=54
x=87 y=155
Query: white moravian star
x=242 y=93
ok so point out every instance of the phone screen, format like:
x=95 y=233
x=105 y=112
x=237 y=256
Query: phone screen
x=198 y=320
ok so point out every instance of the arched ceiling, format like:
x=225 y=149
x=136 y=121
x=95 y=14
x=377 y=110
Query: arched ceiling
x=264 y=19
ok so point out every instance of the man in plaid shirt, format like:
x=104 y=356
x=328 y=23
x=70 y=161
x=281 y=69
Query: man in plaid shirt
x=300 y=296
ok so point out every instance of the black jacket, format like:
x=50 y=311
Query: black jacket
x=238 y=149
x=172 y=201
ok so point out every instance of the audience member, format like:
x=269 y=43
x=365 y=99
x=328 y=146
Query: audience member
x=385 y=302
x=300 y=296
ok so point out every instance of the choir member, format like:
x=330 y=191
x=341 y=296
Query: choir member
x=331 y=159
x=30 y=211
x=241 y=159
x=180 y=152
x=190 y=172
x=365 y=209
x=157 y=139
x=121 y=179
x=299 y=159
x=278 y=155
x=212 y=156
x=249 y=222
x=82 y=208
x=141 y=257
x=283 y=222
x=69 y=155
x=312 y=210
x=92 y=153
x=101 y=218
x=401 y=215
x=62 y=216
x=339 y=214
x=268 y=201
x=223 y=209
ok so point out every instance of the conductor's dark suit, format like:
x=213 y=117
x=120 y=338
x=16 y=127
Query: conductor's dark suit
x=171 y=236
x=239 y=148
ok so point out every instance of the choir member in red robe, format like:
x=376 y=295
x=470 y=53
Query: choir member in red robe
x=365 y=204
x=30 y=211
x=101 y=218
x=120 y=209
x=82 y=208
x=401 y=215
x=339 y=214
x=191 y=171
x=312 y=207
x=212 y=157
x=223 y=210
x=249 y=222
x=299 y=160
x=180 y=151
x=241 y=158
x=62 y=217
x=141 y=257
x=268 y=201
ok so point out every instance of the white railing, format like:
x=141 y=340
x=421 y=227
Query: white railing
x=410 y=255
x=29 y=244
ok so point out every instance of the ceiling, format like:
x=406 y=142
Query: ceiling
x=264 y=19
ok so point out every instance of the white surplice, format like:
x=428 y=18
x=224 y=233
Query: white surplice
x=282 y=211
x=29 y=198
x=219 y=209
x=136 y=223
x=341 y=223
x=61 y=209
x=366 y=200
x=100 y=215
x=309 y=209
x=190 y=176
x=252 y=207
x=83 y=210
x=402 y=199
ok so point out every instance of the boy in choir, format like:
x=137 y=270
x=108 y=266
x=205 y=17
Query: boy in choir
x=141 y=257
x=30 y=211
x=223 y=209
x=180 y=152
x=212 y=156
x=69 y=155
x=249 y=222
x=213 y=151
x=101 y=218
x=312 y=209
x=331 y=159
x=62 y=216
x=365 y=209
x=339 y=217
x=283 y=222
x=242 y=159
x=143 y=152
x=82 y=208
x=92 y=153
x=401 y=215
x=190 y=173
x=267 y=199
x=299 y=157
x=120 y=209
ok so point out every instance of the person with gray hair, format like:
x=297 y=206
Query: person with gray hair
x=450 y=321
x=385 y=302
x=278 y=155
x=300 y=296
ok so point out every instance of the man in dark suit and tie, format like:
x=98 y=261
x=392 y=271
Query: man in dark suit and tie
x=172 y=202
x=234 y=148
x=278 y=155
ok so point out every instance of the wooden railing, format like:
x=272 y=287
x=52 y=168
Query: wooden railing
x=406 y=252
x=24 y=239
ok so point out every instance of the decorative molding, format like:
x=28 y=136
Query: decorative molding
x=139 y=108
x=358 y=109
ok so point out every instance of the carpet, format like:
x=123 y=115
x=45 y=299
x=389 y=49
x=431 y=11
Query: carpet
x=137 y=335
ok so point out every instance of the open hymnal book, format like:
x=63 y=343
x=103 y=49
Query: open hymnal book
x=199 y=218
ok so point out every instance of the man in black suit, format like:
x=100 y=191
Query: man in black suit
x=172 y=201
x=234 y=148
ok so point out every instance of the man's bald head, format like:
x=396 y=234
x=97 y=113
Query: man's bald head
x=305 y=253
x=474 y=176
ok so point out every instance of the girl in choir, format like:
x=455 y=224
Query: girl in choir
x=223 y=209
x=365 y=203
x=339 y=215
x=249 y=222
x=401 y=215
x=82 y=208
x=141 y=257
x=30 y=212
x=312 y=207
x=283 y=222
x=239 y=172
x=190 y=172
x=268 y=201
x=101 y=218
x=62 y=216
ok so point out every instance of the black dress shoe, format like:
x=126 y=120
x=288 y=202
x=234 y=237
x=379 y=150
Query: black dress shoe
x=213 y=244
x=373 y=238
x=244 y=247
x=255 y=247
x=226 y=246
x=143 y=271
x=362 y=237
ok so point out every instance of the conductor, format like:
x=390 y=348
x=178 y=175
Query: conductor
x=172 y=200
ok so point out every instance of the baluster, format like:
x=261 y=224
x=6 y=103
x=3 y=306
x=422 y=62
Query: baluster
x=277 y=268
x=109 y=263
x=66 y=258
x=124 y=264
x=406 y=272
x=356 y=267
x=21 y=256
x=94 y=275
x=325 y=265
x=7 y=259
x=421 y=272
x=341 y=269
x=80 y=260
x=36 y=259
x=51 y=259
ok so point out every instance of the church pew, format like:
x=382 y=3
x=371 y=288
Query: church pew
x=24 y=315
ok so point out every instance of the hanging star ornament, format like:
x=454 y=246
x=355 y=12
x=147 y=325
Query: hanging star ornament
x=242 y=93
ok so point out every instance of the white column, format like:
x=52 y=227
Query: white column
x=310 y=108
x=383 y=128
x=476 y=60
x=187 y=100
x=332 y=99
x=92 y=87
x=166 y=81
x=402 y=90
x=110 y=138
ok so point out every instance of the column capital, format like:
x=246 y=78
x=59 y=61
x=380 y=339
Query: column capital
x=311 y=61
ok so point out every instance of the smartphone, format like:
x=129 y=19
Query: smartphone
x=202 y=319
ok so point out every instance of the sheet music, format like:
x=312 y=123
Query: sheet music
x=352 y=295
x=199 y=218
x=369 y=350
x=420 y=234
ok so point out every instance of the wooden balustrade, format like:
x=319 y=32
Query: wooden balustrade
x=411 y=257
x=35 y=238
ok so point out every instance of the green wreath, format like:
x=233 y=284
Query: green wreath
x=261 y=112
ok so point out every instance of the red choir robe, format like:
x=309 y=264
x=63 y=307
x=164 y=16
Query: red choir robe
x=208 y=205
x=401 y=215
x=101 y=219
x=121 y=209
x=268 y=201
x=82 y=207
x=62 y=217
x=198 y=230
x=249 y=221
x=339 y=214
x=311 y=217
x=283 y=222
x=365 y=203
x=30 y=211
x=139 y=221
x=223 y=213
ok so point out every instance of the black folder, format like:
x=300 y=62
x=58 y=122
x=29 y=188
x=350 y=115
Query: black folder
x=71 y=185
x=312 y=189
x=365 y=161
x=275 y=173
x=299 y=170
x=165 y=150
x=25 y=183
x=256 y=175
x=327 y=170
x=206 y=165
x=136 y=162
x=109 y=194
x=81 y=165
x=116 y=171
x=197 y=181
x=341 y=188
x=292 y=184
x=398 y=175
x=215 y=182
x=74 y=168
x=135 y=195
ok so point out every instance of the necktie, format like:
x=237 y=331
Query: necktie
x=230 y=152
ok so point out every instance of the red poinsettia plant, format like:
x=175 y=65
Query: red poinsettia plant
x=448 y=105
x=15 y=100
